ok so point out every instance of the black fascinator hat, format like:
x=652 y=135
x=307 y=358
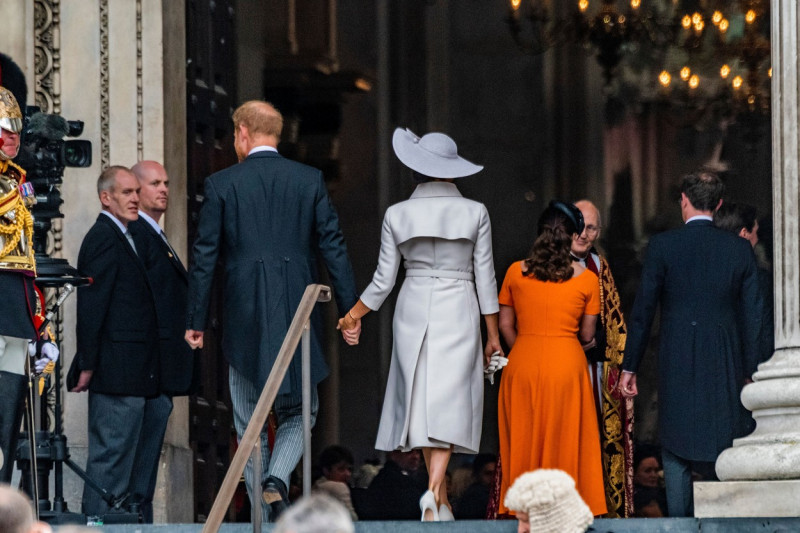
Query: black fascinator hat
x=574 y=216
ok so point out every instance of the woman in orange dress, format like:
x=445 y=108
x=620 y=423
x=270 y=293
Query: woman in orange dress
x=548 y=308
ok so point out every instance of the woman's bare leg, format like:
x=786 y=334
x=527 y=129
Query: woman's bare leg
x=437 y=460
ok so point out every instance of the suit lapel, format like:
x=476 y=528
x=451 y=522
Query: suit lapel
x=127 y=245
x=163 y=248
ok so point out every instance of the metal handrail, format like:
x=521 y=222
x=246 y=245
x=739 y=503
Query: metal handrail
x=299 y=328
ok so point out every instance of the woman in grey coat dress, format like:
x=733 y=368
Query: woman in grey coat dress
x=434 y=394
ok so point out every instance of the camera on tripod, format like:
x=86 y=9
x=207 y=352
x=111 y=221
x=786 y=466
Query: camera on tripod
x=44 y=154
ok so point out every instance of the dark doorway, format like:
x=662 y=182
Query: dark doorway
x=211 y=95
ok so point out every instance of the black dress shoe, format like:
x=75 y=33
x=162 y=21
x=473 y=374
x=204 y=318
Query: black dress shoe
x=275 y=496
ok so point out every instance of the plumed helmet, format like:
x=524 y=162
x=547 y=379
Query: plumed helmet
x=10 y=114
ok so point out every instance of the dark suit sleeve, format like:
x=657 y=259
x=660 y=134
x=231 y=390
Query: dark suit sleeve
x=205 y=253
x=750 y=309
x=98 y=261
x=644 y=307
x=334 y=251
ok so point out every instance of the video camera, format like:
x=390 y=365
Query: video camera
x=44 y=154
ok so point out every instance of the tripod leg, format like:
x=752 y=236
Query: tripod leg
x=12 y=394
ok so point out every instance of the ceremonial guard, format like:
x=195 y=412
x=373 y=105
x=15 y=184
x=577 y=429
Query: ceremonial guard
x=17 y=292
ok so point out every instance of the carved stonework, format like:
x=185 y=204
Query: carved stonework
x=47 y=55
x=105 y=149
x=139 y=84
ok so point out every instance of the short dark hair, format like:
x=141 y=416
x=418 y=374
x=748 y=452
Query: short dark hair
x=734 y=217
x=704 y=189
x=333 y=455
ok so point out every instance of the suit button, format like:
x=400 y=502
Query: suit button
x=694 y=323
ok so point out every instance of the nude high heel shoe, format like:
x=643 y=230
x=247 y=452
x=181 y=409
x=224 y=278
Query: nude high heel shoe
x=428 y=503
x=445 y=514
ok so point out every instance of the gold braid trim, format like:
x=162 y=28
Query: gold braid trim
x=11 y=230
x=617 y=414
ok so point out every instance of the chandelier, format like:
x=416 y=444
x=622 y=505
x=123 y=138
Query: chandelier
x=691 y=53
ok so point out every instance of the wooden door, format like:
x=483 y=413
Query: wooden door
x=210 y=88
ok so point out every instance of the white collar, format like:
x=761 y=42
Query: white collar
x=700 y=217
x=262 y=148
x=431 y=189
x=147 y=218
x=117 y=221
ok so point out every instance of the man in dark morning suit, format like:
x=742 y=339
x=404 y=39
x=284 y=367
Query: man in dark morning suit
x=268 y=218
x=169 y=281
x=117 y=338
x=706 y=282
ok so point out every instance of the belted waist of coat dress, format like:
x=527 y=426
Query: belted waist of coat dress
x=433 y=273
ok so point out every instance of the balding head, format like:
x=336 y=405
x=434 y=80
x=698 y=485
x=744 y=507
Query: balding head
x=154 y=193
x=581 y=244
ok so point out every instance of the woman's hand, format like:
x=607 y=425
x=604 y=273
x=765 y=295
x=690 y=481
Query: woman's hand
x=589 y=345
x=350 y=328
x=492 y=346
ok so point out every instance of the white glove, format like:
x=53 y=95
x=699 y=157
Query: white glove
x=496 y=362
x=50 y=354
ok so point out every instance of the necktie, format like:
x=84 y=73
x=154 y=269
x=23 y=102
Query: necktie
x=591 y=265
x=171 y=250
x=130 y=240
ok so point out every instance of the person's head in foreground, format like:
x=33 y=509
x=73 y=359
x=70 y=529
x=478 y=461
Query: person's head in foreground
x=546 y=501
x=16 y=513
x=319 y=513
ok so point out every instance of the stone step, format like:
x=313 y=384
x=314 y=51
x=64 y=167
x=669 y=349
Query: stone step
x=631 y=525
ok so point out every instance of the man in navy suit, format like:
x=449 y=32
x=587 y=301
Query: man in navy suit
x=117 y=338
x=169 y=282
x=706 y=283
x=269 y=219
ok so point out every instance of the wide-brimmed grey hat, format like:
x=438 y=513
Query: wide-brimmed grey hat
x=434 y=155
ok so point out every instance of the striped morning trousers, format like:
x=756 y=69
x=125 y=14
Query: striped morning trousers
x=288 y=447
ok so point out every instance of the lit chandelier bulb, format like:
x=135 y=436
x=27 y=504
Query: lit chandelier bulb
x=723 y=25
x=636 y=3
x=697 y=18
x=583 y=5
x=751 y=99
x=769 y=72
x=686 y=22
x=685 y=73
x=698 y=26
x=515 y=4
x=737 y=82
x=664 y=78
x=694 y=81
x=750 y=16
x=716 y=18
x=725 y=71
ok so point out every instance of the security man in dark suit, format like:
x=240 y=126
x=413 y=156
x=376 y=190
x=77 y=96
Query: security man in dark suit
x=267 y=218
x=706 y=282
x=117 y=338
x=169 y=282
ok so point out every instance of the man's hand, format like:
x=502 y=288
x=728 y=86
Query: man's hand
x=83 y=381
x=194 y=338
x=627 y=384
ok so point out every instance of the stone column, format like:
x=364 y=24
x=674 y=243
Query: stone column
x=761 y=472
